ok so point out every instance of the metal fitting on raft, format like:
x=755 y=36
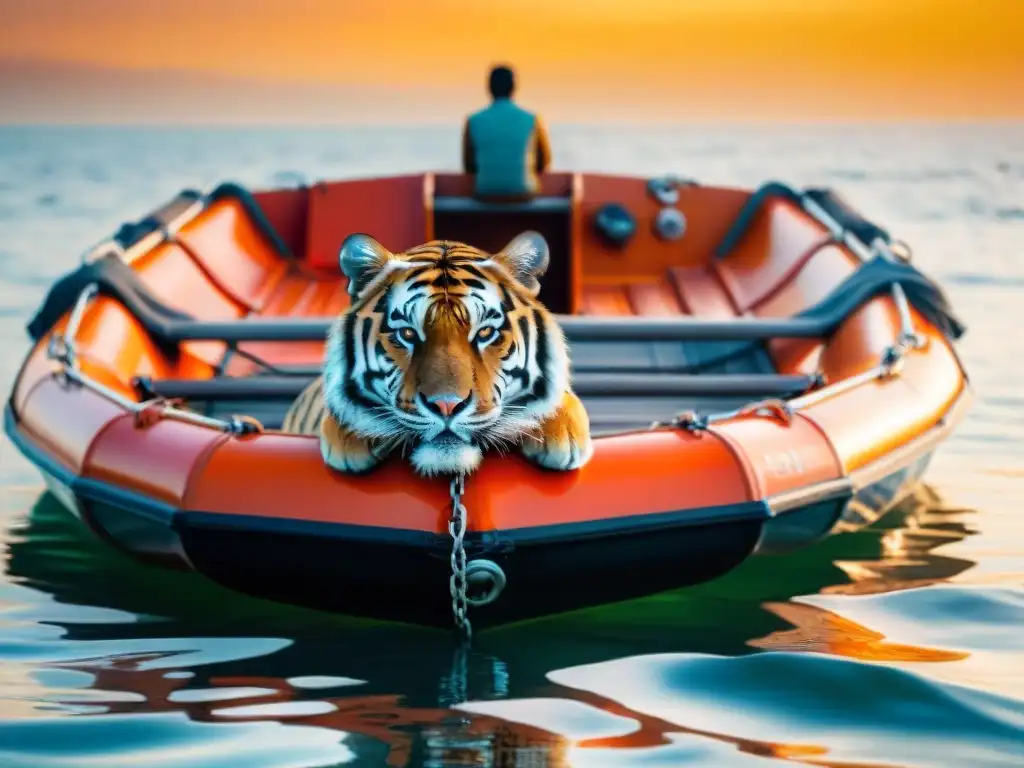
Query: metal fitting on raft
x=486 y=580
x=670 y=224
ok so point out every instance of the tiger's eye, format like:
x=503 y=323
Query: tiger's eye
x=407 y=334
x=485 y=333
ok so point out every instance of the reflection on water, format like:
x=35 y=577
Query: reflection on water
x=908 y=562
x=162 y=668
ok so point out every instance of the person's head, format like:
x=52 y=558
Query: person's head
x=502 y=82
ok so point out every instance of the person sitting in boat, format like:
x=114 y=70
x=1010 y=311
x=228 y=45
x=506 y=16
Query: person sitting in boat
x=505 y=147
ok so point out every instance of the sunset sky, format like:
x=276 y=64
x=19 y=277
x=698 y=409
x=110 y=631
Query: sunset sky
x=578 y=60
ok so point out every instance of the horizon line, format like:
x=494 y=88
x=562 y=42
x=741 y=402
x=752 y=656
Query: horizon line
x=882 y=120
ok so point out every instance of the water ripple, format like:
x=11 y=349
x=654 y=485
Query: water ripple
x=987 y=618
x=142 y=654
x=817 y=701
x=166 y=739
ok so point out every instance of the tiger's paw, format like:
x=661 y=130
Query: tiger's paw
x=343 y=450
x=563 y=441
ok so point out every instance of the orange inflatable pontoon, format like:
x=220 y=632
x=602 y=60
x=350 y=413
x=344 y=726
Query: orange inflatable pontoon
x=761 y=368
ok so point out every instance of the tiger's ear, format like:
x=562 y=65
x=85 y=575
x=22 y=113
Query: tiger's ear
x=361 y=259
x=526 y=257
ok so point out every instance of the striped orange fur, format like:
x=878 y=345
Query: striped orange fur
x=444 y=353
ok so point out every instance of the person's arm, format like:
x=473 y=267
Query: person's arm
x=468 y=155
x=543 y=145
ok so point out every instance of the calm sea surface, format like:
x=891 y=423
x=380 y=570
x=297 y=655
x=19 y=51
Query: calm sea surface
x=902 y=645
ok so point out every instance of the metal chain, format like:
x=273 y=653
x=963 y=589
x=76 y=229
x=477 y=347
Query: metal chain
x=457 y=582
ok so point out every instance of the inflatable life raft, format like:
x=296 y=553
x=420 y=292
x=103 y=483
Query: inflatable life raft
x=761 y=368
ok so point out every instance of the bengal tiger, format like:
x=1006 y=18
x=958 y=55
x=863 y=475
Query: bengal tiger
x=445 y=350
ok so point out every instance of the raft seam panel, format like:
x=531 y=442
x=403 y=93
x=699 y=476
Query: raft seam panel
x=753 y=486
x=790 y=274
x=200 y=464
x=214 y=281
x=87 y=456
x=813 y=422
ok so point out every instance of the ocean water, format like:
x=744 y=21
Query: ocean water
x=900 y=645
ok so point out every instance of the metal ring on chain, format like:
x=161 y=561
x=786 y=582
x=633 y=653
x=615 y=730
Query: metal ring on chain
x=486 y=580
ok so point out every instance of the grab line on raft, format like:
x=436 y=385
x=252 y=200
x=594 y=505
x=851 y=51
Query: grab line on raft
x=890 y=364
x=62 y=352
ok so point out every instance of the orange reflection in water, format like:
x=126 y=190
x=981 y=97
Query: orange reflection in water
x=458 y=737
x=908 y=558
x=451 y=737
x=907 y=561
x=821 y=631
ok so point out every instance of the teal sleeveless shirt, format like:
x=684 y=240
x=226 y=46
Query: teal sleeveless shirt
x=505 y=149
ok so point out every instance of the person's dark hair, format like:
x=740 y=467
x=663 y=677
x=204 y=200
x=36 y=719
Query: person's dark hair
x=502 y=82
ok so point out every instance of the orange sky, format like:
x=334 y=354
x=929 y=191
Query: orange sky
x=657 y=59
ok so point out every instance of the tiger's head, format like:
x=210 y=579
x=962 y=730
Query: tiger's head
x=444 y=349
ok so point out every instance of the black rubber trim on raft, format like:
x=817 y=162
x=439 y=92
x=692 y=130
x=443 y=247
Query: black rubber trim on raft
x=174 y=518
x=131 y=233
x=825 y=198
x=118 y=281
x=877 y=276
x=375 y=580
x=846 y=216
x=241 y=194
x=750 y=209
x=650 y=384
x=483 y=542
x=649 y=521
x=168 y=326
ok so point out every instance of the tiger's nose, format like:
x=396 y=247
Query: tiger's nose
x=446 y=403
